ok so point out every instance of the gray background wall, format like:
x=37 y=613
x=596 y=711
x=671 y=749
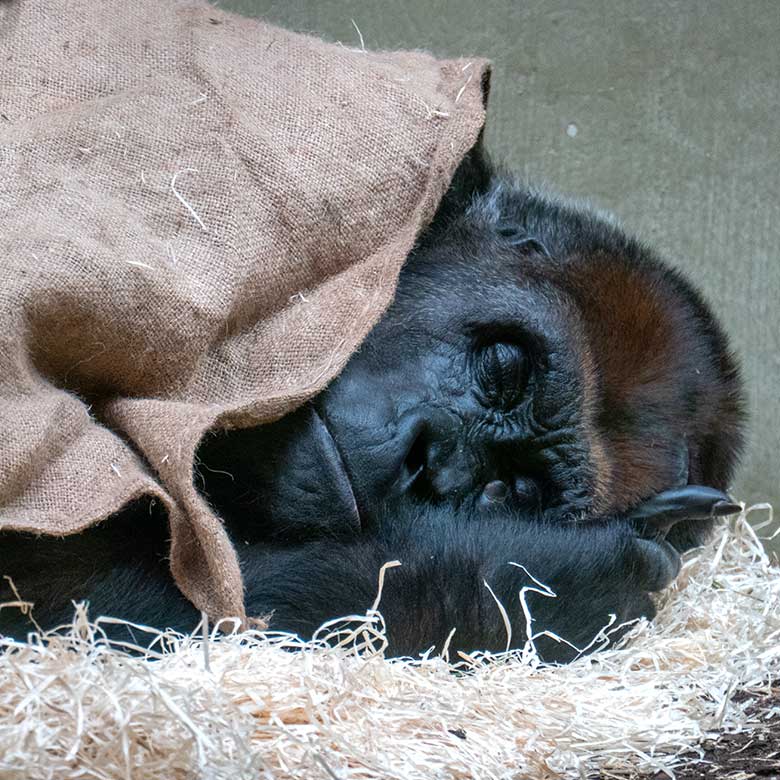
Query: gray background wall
x=676 y=107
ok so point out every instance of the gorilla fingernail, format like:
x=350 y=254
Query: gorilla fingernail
x=725 y=508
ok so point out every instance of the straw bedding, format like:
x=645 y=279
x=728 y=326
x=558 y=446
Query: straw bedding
x=243 y=706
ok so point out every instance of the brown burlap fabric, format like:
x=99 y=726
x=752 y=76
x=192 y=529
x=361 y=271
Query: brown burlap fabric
x=201 y=216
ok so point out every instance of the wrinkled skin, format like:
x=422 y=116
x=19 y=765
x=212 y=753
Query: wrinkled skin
x=542 y=392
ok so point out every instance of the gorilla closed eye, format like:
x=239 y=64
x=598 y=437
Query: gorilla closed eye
x=511 y=232
x=502 y=372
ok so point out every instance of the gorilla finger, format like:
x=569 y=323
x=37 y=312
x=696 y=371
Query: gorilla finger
x=693 y=502
x=659 y=564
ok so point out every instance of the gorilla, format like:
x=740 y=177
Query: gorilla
x=546 y=409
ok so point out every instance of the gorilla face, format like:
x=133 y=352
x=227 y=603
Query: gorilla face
x=469 y=392
x=535 y=360
x=543 y=401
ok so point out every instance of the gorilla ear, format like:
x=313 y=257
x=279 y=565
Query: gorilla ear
x=485 y=95
x=472 y=178
x=515 y=235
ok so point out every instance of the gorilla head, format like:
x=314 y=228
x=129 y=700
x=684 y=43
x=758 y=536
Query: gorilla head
x=536 y=356
x=544 y=401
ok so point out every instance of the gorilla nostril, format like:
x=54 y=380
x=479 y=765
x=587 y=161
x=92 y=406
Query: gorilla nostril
x=415 y=461
x=436 y=465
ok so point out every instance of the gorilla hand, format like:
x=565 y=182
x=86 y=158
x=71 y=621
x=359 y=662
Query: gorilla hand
x=691 y=505
x=653 y=519
x=635 y=562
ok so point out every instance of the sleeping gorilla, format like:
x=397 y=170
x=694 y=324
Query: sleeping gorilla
x=543 y=391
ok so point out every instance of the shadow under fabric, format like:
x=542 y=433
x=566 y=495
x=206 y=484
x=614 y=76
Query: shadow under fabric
x=201 y=217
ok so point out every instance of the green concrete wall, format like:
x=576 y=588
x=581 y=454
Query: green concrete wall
x=666 y=112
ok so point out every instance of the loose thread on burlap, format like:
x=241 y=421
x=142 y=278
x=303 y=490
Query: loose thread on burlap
x=183 y=201
x=360 y=35
x=463 y=88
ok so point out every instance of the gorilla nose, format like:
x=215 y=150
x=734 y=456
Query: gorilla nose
x=440 y=462
x=435 y=461
x=451 y=473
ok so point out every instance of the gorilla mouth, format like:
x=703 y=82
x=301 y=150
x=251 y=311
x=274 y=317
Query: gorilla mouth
x=336 y=487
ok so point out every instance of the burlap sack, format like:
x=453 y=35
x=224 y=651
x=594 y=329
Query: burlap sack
x=201 y=216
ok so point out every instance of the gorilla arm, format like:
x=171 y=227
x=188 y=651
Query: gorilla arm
x=450 y=563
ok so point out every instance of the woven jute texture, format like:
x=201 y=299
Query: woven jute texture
x=201 y=217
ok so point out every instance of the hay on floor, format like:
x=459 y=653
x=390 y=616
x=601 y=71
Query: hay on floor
x=242 y=706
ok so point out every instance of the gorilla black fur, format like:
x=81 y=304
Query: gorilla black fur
x=544 y=399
